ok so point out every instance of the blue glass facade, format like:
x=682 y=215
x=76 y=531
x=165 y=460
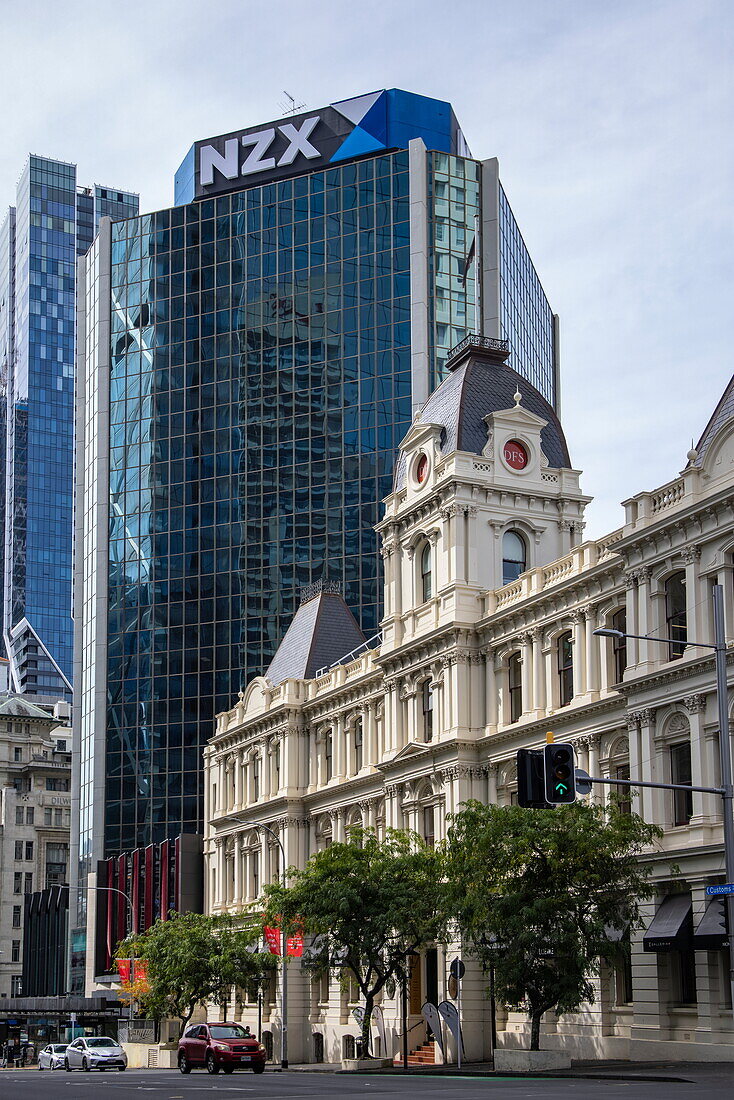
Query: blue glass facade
x=526 y=318
x=53 y=222
x=260 y=386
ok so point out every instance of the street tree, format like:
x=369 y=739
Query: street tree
x=191 y=959
x=368 y=903
x=540 y=893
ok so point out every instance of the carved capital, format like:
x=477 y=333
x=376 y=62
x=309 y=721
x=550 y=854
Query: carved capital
x=694 y=704
x=646 y=715
x=691 y=554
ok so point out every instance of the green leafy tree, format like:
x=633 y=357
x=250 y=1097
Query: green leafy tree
x=191 y=959
x=369 y=903
x=538 y=891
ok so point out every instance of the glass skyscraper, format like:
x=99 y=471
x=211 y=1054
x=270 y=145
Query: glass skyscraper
x=52 y=223
x=249 y=361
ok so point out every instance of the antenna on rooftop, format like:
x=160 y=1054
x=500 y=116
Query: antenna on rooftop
x=290 y=107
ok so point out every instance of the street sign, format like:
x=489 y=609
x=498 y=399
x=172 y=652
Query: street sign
x=458 y=970
x=583 y=781
x=725 y=888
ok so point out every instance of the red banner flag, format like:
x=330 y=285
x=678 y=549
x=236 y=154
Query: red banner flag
x=294 y=945
x=272 y=938
x=123 y=969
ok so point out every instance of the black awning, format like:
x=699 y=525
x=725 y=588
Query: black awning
x=712 y=932
x=672 y=926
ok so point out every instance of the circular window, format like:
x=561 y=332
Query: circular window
x=421 y=469
x=516 y=454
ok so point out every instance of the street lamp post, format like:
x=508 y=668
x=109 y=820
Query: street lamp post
x=722 y=699
x=113 y=890
x=283 y=945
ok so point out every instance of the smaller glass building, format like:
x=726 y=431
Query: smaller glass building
x=51 y=225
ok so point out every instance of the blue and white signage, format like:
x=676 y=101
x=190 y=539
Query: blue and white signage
x=717 y=891
x=350 y=128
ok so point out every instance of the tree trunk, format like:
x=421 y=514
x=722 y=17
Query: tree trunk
x=369 y=1002
x=535 y=1018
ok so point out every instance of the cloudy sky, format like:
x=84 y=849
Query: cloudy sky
x=612 y=121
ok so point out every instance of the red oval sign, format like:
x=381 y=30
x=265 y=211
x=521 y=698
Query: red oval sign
x=421 y=469
x=516 y=455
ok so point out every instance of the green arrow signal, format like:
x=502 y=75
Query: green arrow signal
x=561 y=788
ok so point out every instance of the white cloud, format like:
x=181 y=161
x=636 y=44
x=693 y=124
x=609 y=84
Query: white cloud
x=612 y=121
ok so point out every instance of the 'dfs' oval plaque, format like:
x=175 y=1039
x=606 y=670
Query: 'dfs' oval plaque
x=516 y=455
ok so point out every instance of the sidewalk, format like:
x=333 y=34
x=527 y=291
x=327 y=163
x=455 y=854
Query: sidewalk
x=609 y=1070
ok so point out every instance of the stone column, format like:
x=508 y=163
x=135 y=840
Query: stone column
x=694 y=617
x=632 y=619
x=392 y=795
x=238 y=896
x=646 y=623
x=651 y=799
x=597 y=791
x=538 y=672
x=265 y=777
x=238 y=784
x=592 y=652
x=635 y=762
x=526 y=674
x=313 y=760
x=339 y=747
x=369 y=726
x=221 y=889
x=490 y=689
x=696 y=707
x=579 y=652
x=264 y=859
x=492 y=784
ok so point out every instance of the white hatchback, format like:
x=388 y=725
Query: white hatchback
x=52 y=1056
x=95 y=1052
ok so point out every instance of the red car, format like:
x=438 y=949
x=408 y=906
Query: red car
x=220 y=1046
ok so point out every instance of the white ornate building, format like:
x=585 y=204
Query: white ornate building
x=491 y=601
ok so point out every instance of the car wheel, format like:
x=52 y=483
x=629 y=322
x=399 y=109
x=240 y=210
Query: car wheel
x=258 y=1069
x=183 y=1063
x=67 y=1067
x=121 y=1069
x=85 y=1065
x=228 y=1069
x=211 y=1064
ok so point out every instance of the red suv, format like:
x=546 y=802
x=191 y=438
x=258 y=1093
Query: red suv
x=220 y=1046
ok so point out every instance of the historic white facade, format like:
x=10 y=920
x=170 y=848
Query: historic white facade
x=469 y=670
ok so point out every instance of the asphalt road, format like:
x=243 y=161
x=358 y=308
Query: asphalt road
x=170 y=1085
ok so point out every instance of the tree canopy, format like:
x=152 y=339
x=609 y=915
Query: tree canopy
x=191 y=959
x=370 y=902
x=539 y=892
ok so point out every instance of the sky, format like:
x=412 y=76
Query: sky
x=612 y=121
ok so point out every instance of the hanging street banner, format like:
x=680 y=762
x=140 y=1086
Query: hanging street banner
x=293 y=943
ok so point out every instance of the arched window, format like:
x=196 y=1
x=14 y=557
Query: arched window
x=675 y=613
x=681 y=772
x=255 y=778
x=514 y=684
x=619 y=645
x=565 y=669
x=426 y=567
x=514 y=556
x=427 y=709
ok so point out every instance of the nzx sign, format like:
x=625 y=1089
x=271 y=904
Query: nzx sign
x=288 y=147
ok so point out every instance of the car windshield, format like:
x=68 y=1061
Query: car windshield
x=58 y=1049
x=232 y=1031
x=104 y=1042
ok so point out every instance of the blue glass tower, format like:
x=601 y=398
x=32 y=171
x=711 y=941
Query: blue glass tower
x=52 y=223
x=249 y=361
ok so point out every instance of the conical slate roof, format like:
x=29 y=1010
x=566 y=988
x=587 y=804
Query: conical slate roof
x=480 y=383
x=322 y=632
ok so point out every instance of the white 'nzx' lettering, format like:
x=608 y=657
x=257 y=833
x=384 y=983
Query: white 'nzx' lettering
x=259 y=143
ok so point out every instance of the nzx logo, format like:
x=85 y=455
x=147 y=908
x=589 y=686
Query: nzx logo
x=259 y=144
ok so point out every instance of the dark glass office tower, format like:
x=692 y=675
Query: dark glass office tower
x=52 y=223
x=249 y=361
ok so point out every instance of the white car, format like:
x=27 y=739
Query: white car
x=52 y=1056
x=95 y=1052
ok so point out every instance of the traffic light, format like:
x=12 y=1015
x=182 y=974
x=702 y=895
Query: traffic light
x=559 y=768
x=531 y=779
